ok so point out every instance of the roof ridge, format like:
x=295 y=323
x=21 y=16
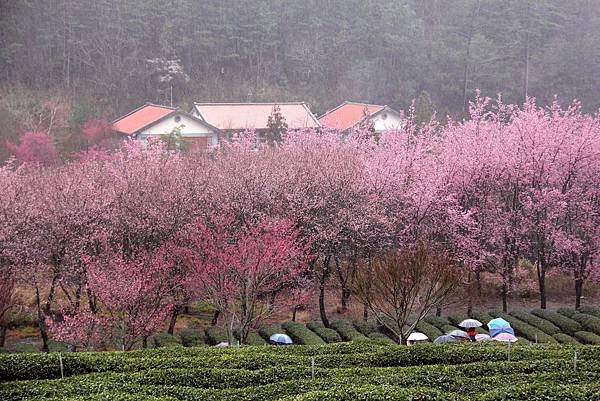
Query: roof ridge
x=248 y=103
x=141 y=107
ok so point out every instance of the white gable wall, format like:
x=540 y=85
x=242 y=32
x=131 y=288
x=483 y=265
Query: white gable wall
x=190 y=128
x=387 y=121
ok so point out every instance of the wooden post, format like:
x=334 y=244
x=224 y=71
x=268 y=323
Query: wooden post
x=312 y=363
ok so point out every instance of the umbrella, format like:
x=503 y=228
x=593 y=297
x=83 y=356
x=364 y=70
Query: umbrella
x=506 y=338
x=222 y=344
x=498 y=326
x=416 y=336
x=279 y=338
x=468 y=323
x=459 y=334
x=445 y=339
x=482 y=337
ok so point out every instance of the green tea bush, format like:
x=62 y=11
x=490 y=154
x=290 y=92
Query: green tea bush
x=437 y=321
x=526 y=330
x=24 y=348
x=268 y=330
x=328 y=335
x=428 y=329
x=365 y=328
x=567 y=312
x=590 y=311
x=192 y=337
x=381 y=338
x=542 y=324
x=216 y=335
x=254 y=339
x=347 y=331
x=586 y=337
x=588 y=322
x=567 y=325
x=565 y=339
x=165 y=340
x=301 y=334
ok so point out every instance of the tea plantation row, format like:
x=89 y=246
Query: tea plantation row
x=361 y=370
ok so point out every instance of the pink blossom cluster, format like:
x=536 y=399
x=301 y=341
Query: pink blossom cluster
x=129 y=238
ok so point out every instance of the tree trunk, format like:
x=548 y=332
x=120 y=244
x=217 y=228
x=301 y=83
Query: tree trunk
x=365 y=313
x=504 y=296
x=41 y=321
x=173 y=320
x=215 y=318
x=438 y=311
x=578 y=292
x=541 y=273
x=3 y=330
x=294 y=314
x=145 y=342
x=322 y=282
x=344 y=300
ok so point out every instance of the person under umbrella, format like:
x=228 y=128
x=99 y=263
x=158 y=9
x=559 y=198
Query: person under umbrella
x=471 y=326
x=280 y=339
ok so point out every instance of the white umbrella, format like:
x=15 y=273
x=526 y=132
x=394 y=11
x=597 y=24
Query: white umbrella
x=468 y=323
x=416 y=336
x=482 y=337
x=222 y=344
x=459 y=334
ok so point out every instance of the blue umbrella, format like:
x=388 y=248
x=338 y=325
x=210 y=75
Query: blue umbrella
x=498 y=326
x=279 y=338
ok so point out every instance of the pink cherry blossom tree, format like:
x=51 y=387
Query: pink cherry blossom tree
x=34 y=147
x=237 y=269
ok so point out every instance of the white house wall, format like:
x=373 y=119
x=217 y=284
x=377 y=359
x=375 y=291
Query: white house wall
x=391 y=122
x=189 y=129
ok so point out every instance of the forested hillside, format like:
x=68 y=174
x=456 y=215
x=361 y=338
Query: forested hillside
x=111 y=55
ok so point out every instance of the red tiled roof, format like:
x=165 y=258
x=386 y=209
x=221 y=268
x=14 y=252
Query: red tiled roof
x=239 y=116
x=348 y=114
x=139 y=118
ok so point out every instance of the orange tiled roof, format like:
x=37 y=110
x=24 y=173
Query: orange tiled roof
x=130 y=123
x=348 y=114
x=239 y=116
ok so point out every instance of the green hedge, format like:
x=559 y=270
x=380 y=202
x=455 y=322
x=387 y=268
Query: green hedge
x=192 y=337
x=536 y=321
x=301 y=334
x=588 y=322
x=365 y=328
x=567 y=312
x=347 y=331
x=586 y=337
x=381 y=338
x=565 y=339
x=525 y=330
x=328 y=335
x=216 y=335
x=429 y=330
x=255 y=339
x=437 y=321
x=165 y=340
x=566 y=324
x=267 y=331
x=590 y=311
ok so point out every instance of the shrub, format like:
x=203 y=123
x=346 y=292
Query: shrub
x=565 y=339
x=301 y=334
x=24 y=348
x=255 y=339
x=192 y=337
x=588 y=322
x=429 y=330
x=523 y=329
x=365 y=328
x=268 y=330
x=536 y=321
x=566 y=324
x=483 y=317
x=216 y=335
x=586 y=337
x=590 y=311
x=165 y=340
x=347 y=331
x=437 y=321
x=567 y=312
x=381 y=338
x=328 y=335
x=57 y=346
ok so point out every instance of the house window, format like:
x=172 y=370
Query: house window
x=384 y=116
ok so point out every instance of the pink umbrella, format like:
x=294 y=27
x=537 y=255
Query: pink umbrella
x=506 y=338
